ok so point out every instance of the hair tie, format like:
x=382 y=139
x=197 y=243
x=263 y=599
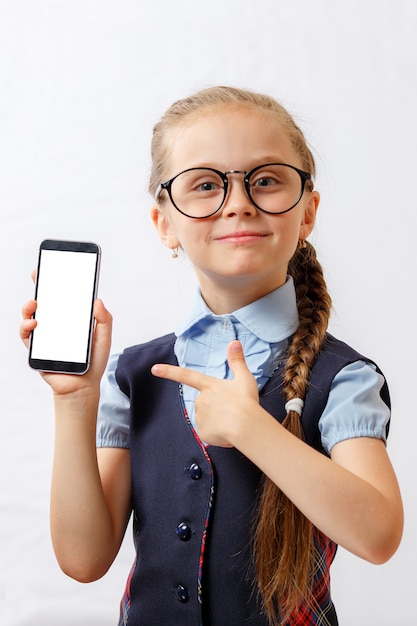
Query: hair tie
x=295 y=404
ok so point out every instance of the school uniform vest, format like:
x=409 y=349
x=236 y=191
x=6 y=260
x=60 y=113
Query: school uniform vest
x=193 y=505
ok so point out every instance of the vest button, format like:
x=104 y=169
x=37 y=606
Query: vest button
x=181 y=593
x=183 y=531
x=195 y=471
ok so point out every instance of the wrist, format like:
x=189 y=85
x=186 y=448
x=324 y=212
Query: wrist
x=241 y=427
x=257 y=430
x=82 y=402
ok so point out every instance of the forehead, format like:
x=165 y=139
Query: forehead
x=230 y=137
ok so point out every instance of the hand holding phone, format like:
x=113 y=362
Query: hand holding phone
x=66 y=287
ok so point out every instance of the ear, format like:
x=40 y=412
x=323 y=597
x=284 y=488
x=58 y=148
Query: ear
x=165 y=231
x=309 y=217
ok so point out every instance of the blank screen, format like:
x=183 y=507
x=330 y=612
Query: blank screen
x=65 y=295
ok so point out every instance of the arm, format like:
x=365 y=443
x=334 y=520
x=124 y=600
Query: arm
x=353 y=497
x=90 y=492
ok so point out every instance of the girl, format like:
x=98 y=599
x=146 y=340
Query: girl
x=251 y=442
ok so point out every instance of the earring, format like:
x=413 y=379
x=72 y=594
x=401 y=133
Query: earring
x=174 y=253
x=302 y=244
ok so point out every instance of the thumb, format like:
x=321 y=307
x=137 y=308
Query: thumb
x=101 y=314
x=103 y=328
x=240 y=370
x=236 y=358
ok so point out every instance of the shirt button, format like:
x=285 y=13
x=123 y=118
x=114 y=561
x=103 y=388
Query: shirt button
x=195 y=471
x=183 y=531
x=181 y=593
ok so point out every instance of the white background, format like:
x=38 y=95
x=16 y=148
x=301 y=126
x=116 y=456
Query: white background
x=81 y=84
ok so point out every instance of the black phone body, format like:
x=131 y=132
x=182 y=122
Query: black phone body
x=66 y=287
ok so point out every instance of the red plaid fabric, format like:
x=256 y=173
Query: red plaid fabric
x=321 y=610
x=125 y=601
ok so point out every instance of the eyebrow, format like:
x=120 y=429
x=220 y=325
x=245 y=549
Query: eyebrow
x=252 y=164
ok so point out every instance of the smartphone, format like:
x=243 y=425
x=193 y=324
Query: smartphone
x=66 y=287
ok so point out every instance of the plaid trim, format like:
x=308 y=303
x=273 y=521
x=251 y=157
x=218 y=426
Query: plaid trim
x=321 y=607
x=126 y=600
x=209 y=504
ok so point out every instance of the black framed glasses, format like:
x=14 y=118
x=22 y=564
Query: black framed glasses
x=200 y=192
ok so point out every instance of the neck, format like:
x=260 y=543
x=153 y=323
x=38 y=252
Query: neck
x=233 y=295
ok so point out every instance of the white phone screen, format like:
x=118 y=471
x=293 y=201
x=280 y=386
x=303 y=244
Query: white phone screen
x=65 y=294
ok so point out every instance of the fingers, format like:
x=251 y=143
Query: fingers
x=28 y=309
x=28 y=323
x=180 y=375
x=198 y=380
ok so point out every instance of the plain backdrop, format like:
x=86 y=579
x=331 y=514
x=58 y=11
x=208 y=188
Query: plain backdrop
x=81 y=85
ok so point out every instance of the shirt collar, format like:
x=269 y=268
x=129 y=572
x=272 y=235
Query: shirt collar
x=272 y=318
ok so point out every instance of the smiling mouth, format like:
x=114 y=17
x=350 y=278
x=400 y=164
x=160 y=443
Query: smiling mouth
x=241 y=237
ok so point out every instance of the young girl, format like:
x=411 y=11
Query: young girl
x=251 y=442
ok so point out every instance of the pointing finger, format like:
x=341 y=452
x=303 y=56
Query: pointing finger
x=180 y=375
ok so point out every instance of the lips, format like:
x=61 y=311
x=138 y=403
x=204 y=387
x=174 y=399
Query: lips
x=244 y=236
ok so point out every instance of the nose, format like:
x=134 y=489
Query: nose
x=237 y=201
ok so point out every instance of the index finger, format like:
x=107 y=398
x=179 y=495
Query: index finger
x=28 y=309
x=180 y=375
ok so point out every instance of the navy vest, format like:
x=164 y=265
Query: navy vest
x=193 y=506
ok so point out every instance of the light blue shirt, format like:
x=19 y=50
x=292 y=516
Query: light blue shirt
x=354 y=408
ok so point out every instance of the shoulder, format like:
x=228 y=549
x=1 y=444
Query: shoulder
x=343 y=377
x=335 y=351
x=334 y=356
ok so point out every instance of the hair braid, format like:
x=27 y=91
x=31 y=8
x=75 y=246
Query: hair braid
x=283 y=542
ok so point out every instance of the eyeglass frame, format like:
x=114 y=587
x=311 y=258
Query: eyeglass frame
x=304 y=176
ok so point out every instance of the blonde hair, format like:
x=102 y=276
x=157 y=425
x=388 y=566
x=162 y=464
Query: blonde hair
x=181 y=111
x=283 y=538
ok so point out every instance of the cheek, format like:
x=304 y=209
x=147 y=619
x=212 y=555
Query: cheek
x=289 y=225
x=191 y=239
x=191 y=233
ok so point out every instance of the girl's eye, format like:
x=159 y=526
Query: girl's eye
x=264 y=181
x=207 y=186
x=198 y=181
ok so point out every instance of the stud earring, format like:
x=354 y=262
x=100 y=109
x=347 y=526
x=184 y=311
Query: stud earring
x=174 y=253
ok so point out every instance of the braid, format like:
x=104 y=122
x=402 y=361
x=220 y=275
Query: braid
x=314 y=306
x=283 y=540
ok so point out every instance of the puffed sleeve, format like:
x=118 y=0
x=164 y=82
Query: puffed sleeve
x=355 y=407
x=113 y=411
